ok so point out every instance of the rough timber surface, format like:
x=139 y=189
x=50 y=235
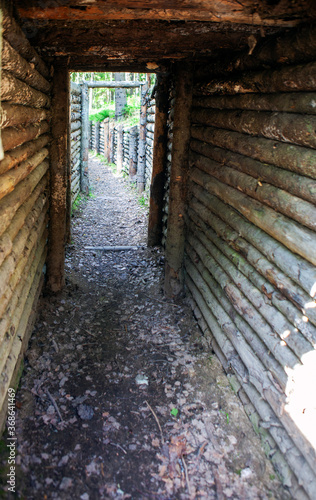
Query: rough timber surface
x=110 y=325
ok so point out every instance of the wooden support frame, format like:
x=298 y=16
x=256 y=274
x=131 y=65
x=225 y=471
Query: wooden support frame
x=141 y=165
x=84 y=173
x=58 y=180
x=159 y=161
x=178 y=180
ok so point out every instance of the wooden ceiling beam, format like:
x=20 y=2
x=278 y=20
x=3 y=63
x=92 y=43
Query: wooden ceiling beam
x=232 y=11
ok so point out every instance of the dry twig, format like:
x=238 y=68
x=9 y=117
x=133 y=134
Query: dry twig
x=156 y=418
x=54 y=404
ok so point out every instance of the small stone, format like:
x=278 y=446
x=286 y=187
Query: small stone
x=66 y=483
x=85 y=412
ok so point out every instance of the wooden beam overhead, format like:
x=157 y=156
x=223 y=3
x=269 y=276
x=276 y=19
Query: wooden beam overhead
x=263 y=13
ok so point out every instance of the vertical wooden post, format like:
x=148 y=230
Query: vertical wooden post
x=141 y=164
x=97 y=137
x=132 y=153
x=120 y=149
x=178 y=177
x=58 y=180
x=159 y=161
x=111 y=141
x=84 y=172
x=106 y=139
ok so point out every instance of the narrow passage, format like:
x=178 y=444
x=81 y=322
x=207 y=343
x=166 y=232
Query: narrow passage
x=120 y=397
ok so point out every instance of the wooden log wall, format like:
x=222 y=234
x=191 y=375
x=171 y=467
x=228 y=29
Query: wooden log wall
x=75 y=139
x=150 y=129
x=168 y=165
x=251 y=252
x=24 y=188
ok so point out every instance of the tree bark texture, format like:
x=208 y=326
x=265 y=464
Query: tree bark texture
x=178 y=180
x=278 y=199
x=296 y=238
x=141 y=162
x=298 y=185
x=15 y=36
x=291 y=102
x=18 y=92
x=287 y=156
x=22 y=153
x=287 y=79
x=21 y=69
x=84 y=174
x=159 y=162
x=12 y=116
x=284 y=127
x=293 y=47
x=58 y=180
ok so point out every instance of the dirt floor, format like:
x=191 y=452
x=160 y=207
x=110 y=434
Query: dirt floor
x=119 y=397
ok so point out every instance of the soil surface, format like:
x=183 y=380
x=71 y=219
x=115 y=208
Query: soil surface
x=120 y=397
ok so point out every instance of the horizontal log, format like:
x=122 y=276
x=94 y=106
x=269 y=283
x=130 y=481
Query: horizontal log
x=75 y=88
x=22 y=269
x=295 y=102
x=292 y=47
x=281 y=437
x=295 y=237
x=257 y=373
x=270 y=280
x=22 y=246
x=24 y=324
x=269 y=361
x=75 y=108
x=75 y=126
x=114 y=85
x=287 y=156
x=242 y=297
x=229 y=353
x=75 y=115
x=301 y=78
x=242 y=293
x=15 y=36
x=18 y=221
x=21 y=69
x=12 y=323
x=284 y=127
x=10 y=179
x=18 y=155
x=258 y=376
x=19 y=92
x=13 y=115
x=298 y=185
x=293 y=266
x=13 y=201
x=12 y=137
x=278 y=199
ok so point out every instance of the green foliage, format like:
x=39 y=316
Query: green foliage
x=174 y=412
x=101 y=115
x=143 y=200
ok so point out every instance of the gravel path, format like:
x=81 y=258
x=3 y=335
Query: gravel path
x=120 y=398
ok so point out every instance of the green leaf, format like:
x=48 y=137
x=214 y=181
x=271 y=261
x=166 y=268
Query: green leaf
x=174 y=412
